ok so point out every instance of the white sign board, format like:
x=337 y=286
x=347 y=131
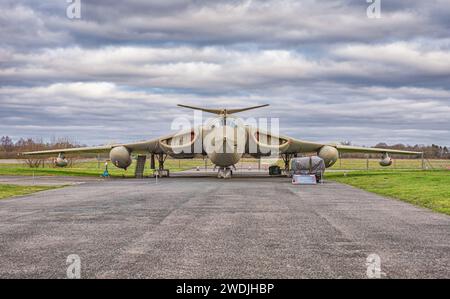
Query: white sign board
x=304 y=179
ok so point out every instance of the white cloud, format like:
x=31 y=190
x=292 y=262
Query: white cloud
x=221 y=69
x=329 y=72
x=408 y=57
x=305 y=112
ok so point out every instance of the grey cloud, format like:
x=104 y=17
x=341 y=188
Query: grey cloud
x=328 y=71
x=266 y=23
x=308 y=112
x=222 y=70
x=22 y=27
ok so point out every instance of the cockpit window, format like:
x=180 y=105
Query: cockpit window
x=222 y=121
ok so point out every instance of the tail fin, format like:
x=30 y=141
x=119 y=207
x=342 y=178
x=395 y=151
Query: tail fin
x=222 y=111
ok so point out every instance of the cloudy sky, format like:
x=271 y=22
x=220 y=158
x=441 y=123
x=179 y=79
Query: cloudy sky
x=329 y=72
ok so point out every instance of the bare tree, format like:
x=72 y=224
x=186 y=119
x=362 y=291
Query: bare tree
x=34 y=163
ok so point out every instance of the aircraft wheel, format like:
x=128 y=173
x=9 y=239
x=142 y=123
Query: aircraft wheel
x=227 y=173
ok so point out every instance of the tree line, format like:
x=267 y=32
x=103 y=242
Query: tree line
x=9 y=149
x=432 y=151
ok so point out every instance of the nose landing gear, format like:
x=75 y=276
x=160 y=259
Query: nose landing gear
x=225 y=173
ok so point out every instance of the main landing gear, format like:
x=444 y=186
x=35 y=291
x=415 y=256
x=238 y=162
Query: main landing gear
x=160 y=172
x=287 y=160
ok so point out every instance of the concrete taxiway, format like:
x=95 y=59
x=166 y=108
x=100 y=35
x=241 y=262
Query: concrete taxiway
x=203 y=227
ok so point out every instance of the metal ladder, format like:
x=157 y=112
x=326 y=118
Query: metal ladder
x=140 y=166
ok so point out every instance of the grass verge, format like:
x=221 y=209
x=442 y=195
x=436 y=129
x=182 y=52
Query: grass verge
x=16 y=190
x=429 y=189
x=93 y=169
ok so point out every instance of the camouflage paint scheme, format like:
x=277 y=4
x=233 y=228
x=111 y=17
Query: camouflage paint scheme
x=181 y=145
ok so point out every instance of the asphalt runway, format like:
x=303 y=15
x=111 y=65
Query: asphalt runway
x=255 y=227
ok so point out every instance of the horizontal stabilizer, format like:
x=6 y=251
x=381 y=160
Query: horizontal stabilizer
x=222 y=111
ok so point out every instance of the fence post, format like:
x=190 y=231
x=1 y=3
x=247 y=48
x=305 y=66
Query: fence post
x=423 y=162
x=367 y=162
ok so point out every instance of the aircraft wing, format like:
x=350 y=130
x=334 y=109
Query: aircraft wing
x=368 y=150
x=151 y=146
x=292 y=145
x=288 y=145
